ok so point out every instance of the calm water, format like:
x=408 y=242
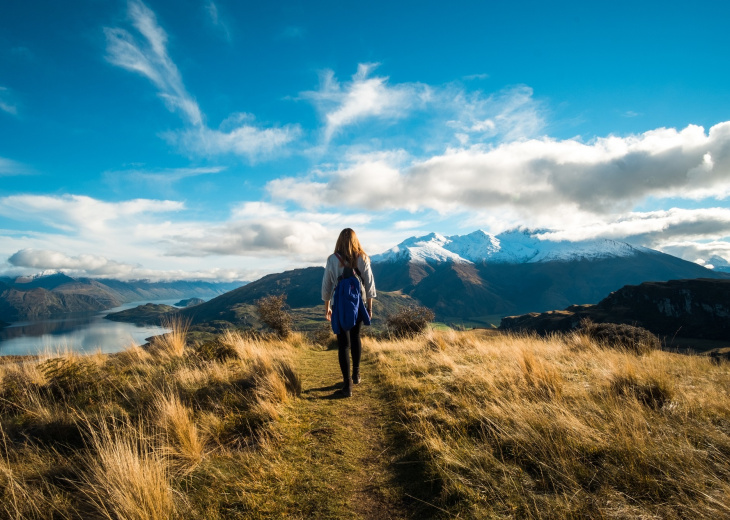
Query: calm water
x=81 y=332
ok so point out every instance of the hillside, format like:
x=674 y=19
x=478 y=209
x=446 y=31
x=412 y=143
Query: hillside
x=149 y=313
x=57 y=294
x=303 y=290
x=476 y=424
x=697 y=308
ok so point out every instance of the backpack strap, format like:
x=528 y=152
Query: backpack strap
x=348 y=271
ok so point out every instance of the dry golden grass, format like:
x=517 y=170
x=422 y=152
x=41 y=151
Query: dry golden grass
x=125 y=477
x=182 y=441
x=124 y=435
x=173 y=343
x=505 y=426
x=519 y=426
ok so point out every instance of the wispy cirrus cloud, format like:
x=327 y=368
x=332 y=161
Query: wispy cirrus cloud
x=363 y=97
x=159 y=180
x=146 y=53
x=9 y=167
x=148 y=56
x=433 y=115
x=238 y=135
x=512 y=114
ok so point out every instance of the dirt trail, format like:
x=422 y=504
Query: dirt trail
x=345 y=450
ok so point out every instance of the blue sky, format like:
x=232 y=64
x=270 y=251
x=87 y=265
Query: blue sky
x=221 y=139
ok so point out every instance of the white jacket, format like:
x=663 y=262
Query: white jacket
x=334 y=269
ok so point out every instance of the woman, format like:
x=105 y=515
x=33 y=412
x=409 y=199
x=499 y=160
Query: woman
x=348 y=253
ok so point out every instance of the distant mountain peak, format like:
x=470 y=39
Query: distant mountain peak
x=515 y=246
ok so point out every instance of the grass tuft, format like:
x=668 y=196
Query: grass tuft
x=172 y=344
x=125 y=477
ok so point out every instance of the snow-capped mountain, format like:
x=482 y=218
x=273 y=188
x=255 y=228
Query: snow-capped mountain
x=510 y=247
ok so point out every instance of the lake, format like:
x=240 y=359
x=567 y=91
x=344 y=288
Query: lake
x=81 y=332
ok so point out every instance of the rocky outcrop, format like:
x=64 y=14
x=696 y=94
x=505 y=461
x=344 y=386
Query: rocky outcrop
x=698 y=308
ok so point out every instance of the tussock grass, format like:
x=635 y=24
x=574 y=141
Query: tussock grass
x=126 y=435
x=125 y=477
x=499 y=426
x=561 y=427
x=171 y=344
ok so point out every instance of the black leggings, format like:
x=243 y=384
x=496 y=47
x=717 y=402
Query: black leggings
x=346 y=342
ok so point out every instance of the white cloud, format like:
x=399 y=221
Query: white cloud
x=511 y=114
x=363 y=97
x=654 y=228
x=136 y=239
x=7 y=104
x=31 y=261
x=538 y=177
x=261 y=229
x=150 y=59
x=90 y=264
x=80 y=213
x=434 y=114
x=244 y=139
x=407 y=224
x=715 y=253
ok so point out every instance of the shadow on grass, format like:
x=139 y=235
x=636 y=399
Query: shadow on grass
x=307 y=394
x=420 y=488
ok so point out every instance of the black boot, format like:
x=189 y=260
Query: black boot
x=346 y=390
x=356 y=375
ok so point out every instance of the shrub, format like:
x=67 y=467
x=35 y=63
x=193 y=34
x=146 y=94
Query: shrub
x=322 y=335
x=634 y=339
x=409 y=321
x=272 y=312
x=215 y=350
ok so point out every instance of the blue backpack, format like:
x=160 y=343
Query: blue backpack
x=348 y=307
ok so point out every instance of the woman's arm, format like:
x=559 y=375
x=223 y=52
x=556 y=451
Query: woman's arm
x=368 y=280
x=329 y=280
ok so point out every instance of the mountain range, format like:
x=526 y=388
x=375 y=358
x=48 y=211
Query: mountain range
x=55 y=294
x=473 y=279
x=479 y=277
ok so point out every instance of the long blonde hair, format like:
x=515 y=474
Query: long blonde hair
x=349 y=248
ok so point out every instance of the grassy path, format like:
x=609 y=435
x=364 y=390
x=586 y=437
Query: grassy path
x=342 y=454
